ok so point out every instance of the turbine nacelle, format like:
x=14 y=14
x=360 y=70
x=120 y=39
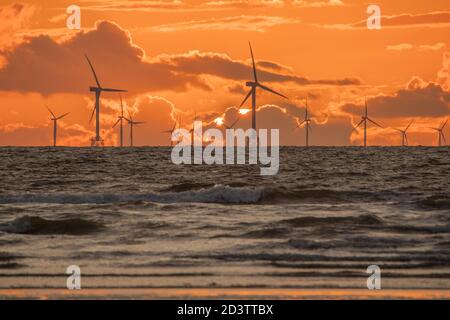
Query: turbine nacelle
x=251 y=84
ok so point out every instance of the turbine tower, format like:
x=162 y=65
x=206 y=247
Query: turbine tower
x=55 y=123
x=253 y=85
x=440 y=132
x=364 y=120
x=306 y=120
x=403 y=133
x=120 y=120
x=171 y=131
x=132 y=123
x=97 y=141
x=192 y=130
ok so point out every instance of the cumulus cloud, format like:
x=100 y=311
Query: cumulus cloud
x=221 y=65
x=418 y=99
x=44 y=65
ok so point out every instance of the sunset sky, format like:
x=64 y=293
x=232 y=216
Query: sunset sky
x=181 y=57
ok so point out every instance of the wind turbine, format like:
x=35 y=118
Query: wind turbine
x=171 y=131
x=403 y=133
x=131 y=122
x=120 y=119
x=306 y=120
x=193 y=127
x=364 y=120
x=55 y=123
x=253 y=85
x=441 y=133
x=97 y=141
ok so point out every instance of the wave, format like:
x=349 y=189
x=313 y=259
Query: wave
x=39 y=226
x=361 y=220
x=435 y=202
x=215 y=194
x=226 y=194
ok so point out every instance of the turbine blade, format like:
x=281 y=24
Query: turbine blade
x=246 y=98
x=270 y=90
x=253 y=61
x=121 y=104
x=374 y=122
x=113 y=90
x=301 y=123
x=60 y=117
x=93 y=71
x=138 y=122
x=53 y=115
x=354 y=129
x=92 y=114
x=409 y=125
x=445 y=123
x=115 y=124
x=406 y=139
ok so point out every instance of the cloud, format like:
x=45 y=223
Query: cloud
x=20 y=134
x=238 y=23
x=46 y=66
x=444 y=72
x=425 y=47
x=243 y=4
x=400 y=47
x=221 y=65
x=13 y=18
x=430 y=19
x=433 y=47
x=418 y=99
x=43 y=65
x=159 y=115
x=133 y=5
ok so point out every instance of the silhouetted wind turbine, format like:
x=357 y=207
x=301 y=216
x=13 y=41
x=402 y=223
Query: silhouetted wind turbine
x=253 y=85
x=403 y=133
x=171 y=131
x=306 y=120
x=132 y=123
x=441 y=133
x=98 y=90
x=192 y=130
x=55 y=123
x=364 y=120
x=120 y=119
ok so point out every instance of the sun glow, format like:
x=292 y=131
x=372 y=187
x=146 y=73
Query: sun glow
x=244 y=111
x=219 y=121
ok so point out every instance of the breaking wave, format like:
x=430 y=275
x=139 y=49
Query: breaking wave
x=204 y=193
x=40 y=226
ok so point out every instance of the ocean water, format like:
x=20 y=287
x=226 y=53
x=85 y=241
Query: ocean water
x=128 y=218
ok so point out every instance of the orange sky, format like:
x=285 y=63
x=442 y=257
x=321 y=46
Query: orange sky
x=180 y=57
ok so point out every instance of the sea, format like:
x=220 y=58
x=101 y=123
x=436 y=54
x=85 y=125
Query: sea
x=130 y=218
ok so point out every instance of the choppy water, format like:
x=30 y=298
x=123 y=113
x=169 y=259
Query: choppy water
x=130 y=218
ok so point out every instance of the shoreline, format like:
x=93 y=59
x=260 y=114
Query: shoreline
x=222 y=293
